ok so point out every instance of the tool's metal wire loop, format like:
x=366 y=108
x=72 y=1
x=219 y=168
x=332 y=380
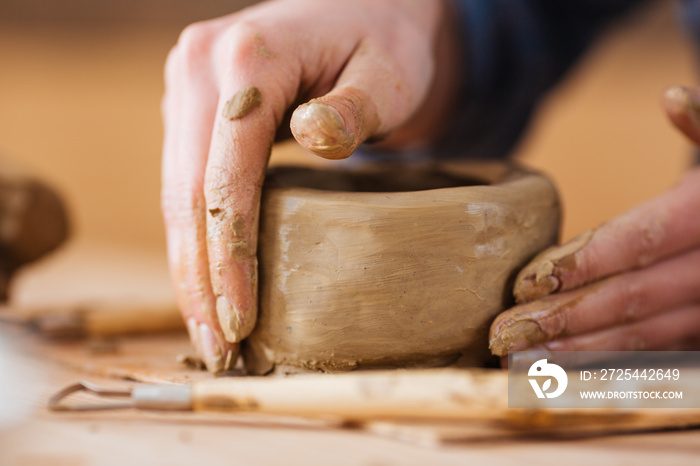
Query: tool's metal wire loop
x=57 y=401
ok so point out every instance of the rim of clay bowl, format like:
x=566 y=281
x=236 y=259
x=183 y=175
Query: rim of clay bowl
x=383 y=177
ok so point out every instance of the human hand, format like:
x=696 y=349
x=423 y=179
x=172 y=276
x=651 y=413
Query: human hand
x=373 y=69
x=631 y=284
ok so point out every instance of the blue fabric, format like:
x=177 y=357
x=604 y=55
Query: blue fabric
x=514 y=51
x=689 y=15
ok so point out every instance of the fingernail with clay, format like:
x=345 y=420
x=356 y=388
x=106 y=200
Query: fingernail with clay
x=320 y=128
x=535 y=286
x=682 y=105
x=211 y=352
x=516 y=336
x=682 y=100
x=544 y=275
x=235 y=323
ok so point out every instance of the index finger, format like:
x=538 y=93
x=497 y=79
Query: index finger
x=250 y=108
x=660 y=228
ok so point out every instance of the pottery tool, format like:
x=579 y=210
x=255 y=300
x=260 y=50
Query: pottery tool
x=98 y=320
x=430 y=393
x=447 y=396
x=433 y=394
x=412 y=405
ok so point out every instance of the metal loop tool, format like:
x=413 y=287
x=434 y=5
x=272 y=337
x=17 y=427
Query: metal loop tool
x=163 y=397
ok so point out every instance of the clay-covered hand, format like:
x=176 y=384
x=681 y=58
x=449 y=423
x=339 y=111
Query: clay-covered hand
x=361 y=69
x=631 y=284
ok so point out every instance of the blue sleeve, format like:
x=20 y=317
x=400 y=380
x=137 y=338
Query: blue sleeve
x=689 y=15
x=513 y=52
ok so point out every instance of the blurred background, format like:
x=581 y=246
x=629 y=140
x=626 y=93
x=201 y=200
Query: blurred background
x=81 y=83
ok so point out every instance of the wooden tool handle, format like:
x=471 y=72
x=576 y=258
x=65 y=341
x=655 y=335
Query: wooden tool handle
x=132 y=319
x=100 y=320
x=435 y=394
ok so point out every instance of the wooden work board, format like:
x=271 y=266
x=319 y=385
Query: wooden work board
x=33 y=368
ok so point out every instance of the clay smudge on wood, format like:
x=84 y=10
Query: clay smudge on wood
x=242 y=103
x=190 y=362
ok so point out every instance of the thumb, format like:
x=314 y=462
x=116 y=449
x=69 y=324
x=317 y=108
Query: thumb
x=682 y=104
x=373 y=96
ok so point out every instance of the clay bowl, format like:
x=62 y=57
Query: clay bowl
x=392 y=266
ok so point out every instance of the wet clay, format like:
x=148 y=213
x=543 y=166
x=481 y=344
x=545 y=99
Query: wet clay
x=530 y=324
x=392 y=266
x=522 y=330
x=262 y=50
x=541 y=276
x=33 y=221
x=242 y=103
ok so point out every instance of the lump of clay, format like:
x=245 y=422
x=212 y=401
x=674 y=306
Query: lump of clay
x=392 y=266
x=33 y=221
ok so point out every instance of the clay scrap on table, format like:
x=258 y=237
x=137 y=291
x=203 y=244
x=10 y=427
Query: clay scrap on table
x=392 y=267
x=33 y=221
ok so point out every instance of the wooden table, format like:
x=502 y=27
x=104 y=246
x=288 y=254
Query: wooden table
x=31 y=370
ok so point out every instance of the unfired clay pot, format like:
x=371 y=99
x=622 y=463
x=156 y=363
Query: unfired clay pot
x=392 y=266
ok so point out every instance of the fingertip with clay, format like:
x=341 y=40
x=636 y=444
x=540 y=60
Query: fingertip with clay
x=549 y=271
x=320 y=128
x=682 y=105
x=334 y=126
x=216 y=357
x=235 y=274
x=515 y=336
x=538 y=283
x=237 y=322
x=231 y=244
